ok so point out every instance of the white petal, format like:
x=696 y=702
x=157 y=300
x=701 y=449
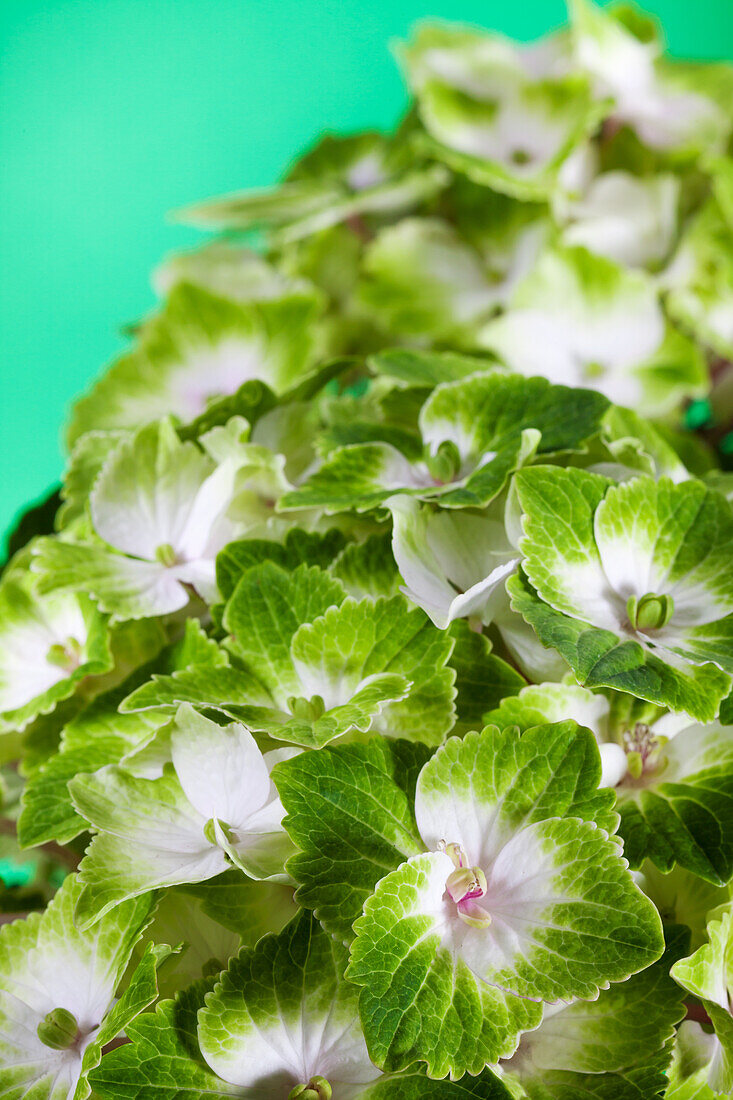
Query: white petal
x=221 y=769
x=613 y=764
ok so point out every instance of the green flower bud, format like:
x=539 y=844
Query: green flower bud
x=59 y=1029
x=65 y=655
x=445 y=463
x=317 y=1088
x=210 y=830
x=650 y=612
x=306 y=709
x=165 y=554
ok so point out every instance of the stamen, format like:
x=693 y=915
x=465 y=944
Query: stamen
x=464 y=885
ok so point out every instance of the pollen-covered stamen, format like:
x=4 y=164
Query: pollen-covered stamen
x=465 y=885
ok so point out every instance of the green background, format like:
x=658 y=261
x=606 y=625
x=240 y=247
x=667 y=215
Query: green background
x=116 y=111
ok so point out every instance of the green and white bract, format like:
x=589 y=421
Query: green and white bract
x=376 y=654
x=214 y=800
x=201 y=348
x=57 y=994
x=161 y=507
x=707 y=975
x=506 y=909
x=656 y=99
x=642 y=571
x=580 y=318
x=282 y=1016
x=48 y=645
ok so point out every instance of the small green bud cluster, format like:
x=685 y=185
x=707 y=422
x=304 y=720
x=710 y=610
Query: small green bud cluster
x=651 y=612
x=317 y=1088
x=59 y=1029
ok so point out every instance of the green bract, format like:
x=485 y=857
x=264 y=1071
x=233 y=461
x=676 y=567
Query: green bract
x=366 y=692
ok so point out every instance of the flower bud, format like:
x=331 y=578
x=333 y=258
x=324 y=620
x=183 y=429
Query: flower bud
x=651 y=612
x=317 y=1088
x=445 y=463
x=165 y=554
x=306 y=709
x=65 y=655
x=58 y=1029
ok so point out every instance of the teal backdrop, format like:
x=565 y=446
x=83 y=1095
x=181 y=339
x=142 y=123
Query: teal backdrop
x=114 y=112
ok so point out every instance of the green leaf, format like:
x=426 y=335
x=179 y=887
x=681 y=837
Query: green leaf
x=350 y=646
x=368 y=568
x=420 y=278
x=483 y=680
x=414 y=1085
x=299 y=548
x=162 y=1059
x=257 y=1025
x=350 y=812
x=639 y=1083
x=426 y=368
x=242 y=905
x=266 y=608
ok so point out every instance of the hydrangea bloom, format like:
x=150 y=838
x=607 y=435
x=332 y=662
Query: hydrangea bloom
x=372 y=683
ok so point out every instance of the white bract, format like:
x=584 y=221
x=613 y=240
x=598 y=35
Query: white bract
x=628 y=219
x=281 y=1022
x=57 y=985
x=214 y=805
x=580 y=320
x=165 y=509
x=453 y=563
x=647 y=95
x=41 y=644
